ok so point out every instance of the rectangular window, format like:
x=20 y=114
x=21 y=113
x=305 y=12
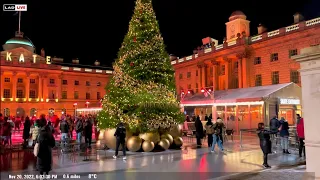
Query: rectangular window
x=223 y=70
x=275 y=77
x=20 y=80
x=6 y=93
x=32 y=94
x=76 y=83
x=76 y=95
x=197 y=88
x=20 y=93
x=274 y=57
x=258 y=81
x=295 y=76
x=51 y=81
x=98 y=96
x=257 y=60
x=32 y=81
x=87 y=95
x=293 y=52
x=87 y=83
x=188 y=74
x=65 y=82
x=196 y=72
x=6 y=79
x=180 y=76
x=64 y=95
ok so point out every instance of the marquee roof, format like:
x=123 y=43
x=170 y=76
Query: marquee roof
x=235 y=95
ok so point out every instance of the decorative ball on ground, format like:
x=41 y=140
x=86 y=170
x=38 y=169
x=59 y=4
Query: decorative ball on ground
x=168 y=137
x=134 y=143
x=164 y=143
x=175 y=131
x=110 y=139
x=150 y=136
x=178 y=141
x=147 y=146
x=101 y=135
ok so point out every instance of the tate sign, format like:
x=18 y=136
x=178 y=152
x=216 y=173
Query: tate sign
x=21 y=58
x=290 y=101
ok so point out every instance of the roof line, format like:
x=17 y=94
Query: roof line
x=285 y=85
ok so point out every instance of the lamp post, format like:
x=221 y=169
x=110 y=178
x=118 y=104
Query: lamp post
x=75 y=108
x=208 y=92
x=87 y=104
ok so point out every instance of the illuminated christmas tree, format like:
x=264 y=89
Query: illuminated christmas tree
x=141 y=92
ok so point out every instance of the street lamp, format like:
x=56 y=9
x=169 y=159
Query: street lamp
x=208 y=92
x=87 y=104
x=75 y=108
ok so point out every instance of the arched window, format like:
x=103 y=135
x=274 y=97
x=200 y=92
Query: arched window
x=20 y=112
x=51 y=112
x=33 y=112
x=6 y=112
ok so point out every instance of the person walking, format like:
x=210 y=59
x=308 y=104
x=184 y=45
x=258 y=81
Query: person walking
x=217 y=136
x=199 y=131
x=274 y=126
x=26 y=131
x=79 y=130
x=300 y=133
x=45 y=142
x=265 y=143
x=209 y=131
x=284 y=135
x=64 y=128
x=120 y=135
x=88 y=132
x=35 y=131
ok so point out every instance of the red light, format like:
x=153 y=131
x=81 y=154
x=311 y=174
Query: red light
x=75 y=104
x=189 y=92
x=202 y=90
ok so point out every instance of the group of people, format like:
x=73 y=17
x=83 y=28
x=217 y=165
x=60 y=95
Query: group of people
x=281 y=127
x=214 y=132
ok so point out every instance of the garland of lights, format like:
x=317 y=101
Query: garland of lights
x=141 y=92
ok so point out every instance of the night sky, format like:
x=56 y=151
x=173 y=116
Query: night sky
x=95 y=30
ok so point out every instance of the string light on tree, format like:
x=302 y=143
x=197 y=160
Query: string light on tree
x=142 y=90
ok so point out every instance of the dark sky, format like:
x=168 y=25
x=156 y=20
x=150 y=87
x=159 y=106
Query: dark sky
x=94 y=30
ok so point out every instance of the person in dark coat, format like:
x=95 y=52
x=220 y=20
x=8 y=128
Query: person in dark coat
x=26 y=131
x=88 y=132
x=209 y=131
x=265 y=142
x=199 y=131
x=120 y=135
x=46 y=143
x=284 y=135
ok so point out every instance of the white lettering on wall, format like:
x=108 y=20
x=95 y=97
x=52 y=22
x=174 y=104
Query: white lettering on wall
x=48 y=60
x=290 y=101
x=34 y=58
x=8 y=58
x=21 y=58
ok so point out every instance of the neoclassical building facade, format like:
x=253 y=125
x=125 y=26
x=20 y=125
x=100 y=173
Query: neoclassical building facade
x=33 y=84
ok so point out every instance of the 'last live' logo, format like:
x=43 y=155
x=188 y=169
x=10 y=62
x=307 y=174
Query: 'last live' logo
x=14 y=7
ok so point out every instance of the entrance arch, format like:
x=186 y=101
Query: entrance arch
x=33 y=112
x=20 y=112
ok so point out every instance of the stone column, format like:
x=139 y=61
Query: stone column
x=240 y=85
x=214 y=113
x=215 y=74
x=200 y=76
x=45 y=88
x=59 y=90
x=249 y=116
x=245 y=73
x=227 y=72
x=40 y=90
x=2 y=84
x=27 y=89
x=14 y=85
x=309 y=60
x=204 y=75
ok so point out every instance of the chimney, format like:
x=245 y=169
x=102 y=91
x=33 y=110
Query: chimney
x=297 y=17
x=75 y=61
x=261 y=29
x=97 y=63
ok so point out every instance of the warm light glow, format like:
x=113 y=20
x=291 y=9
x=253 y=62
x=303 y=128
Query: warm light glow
x=11 y=99
x=2 y=99
x=75 y=104
x=210 y=90
x=21 y=58
x=41 y=99
x=202 y=90
x=8 y=57
x=227 y=104
x=87 y=102
x=30 y=99
x=38 y=100
x=24 y=99
x=89 y=109
x=189 y=92
x=34 y=58
x=57 y=100
x=47 y=100
x=48 y=60
x=182 y=92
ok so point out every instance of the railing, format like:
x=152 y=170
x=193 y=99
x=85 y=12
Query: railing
x=252 y=39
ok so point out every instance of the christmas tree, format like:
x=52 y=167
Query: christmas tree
x=141 y=92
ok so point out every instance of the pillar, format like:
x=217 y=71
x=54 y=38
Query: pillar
x=2 y=84
x=249 y=116
x=245 y=73
x=59 y=90
x=240 y=73
x=40 y=90
x=228 y=75
x=309 y=60
x=214 y=113
x=200 y=76
x=215 y=77
x=45 y=92
x=14 y=85
x=204 y=76
x=27 y=90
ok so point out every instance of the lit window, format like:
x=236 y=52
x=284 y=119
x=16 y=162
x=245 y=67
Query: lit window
x=275 y=77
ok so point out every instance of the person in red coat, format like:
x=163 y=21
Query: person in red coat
x=300 y=133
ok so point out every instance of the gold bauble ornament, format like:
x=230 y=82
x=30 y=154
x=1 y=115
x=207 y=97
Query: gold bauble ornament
x=147 y=146
x=150 y=136
x=134 y=143
x=101 y=135
x=164 y=143
x=175 y=131
x=178 y=141
x=167 y=136
x=110 y=139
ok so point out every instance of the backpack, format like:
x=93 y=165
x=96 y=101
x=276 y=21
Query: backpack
x=209 y=129
x=122 y=132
